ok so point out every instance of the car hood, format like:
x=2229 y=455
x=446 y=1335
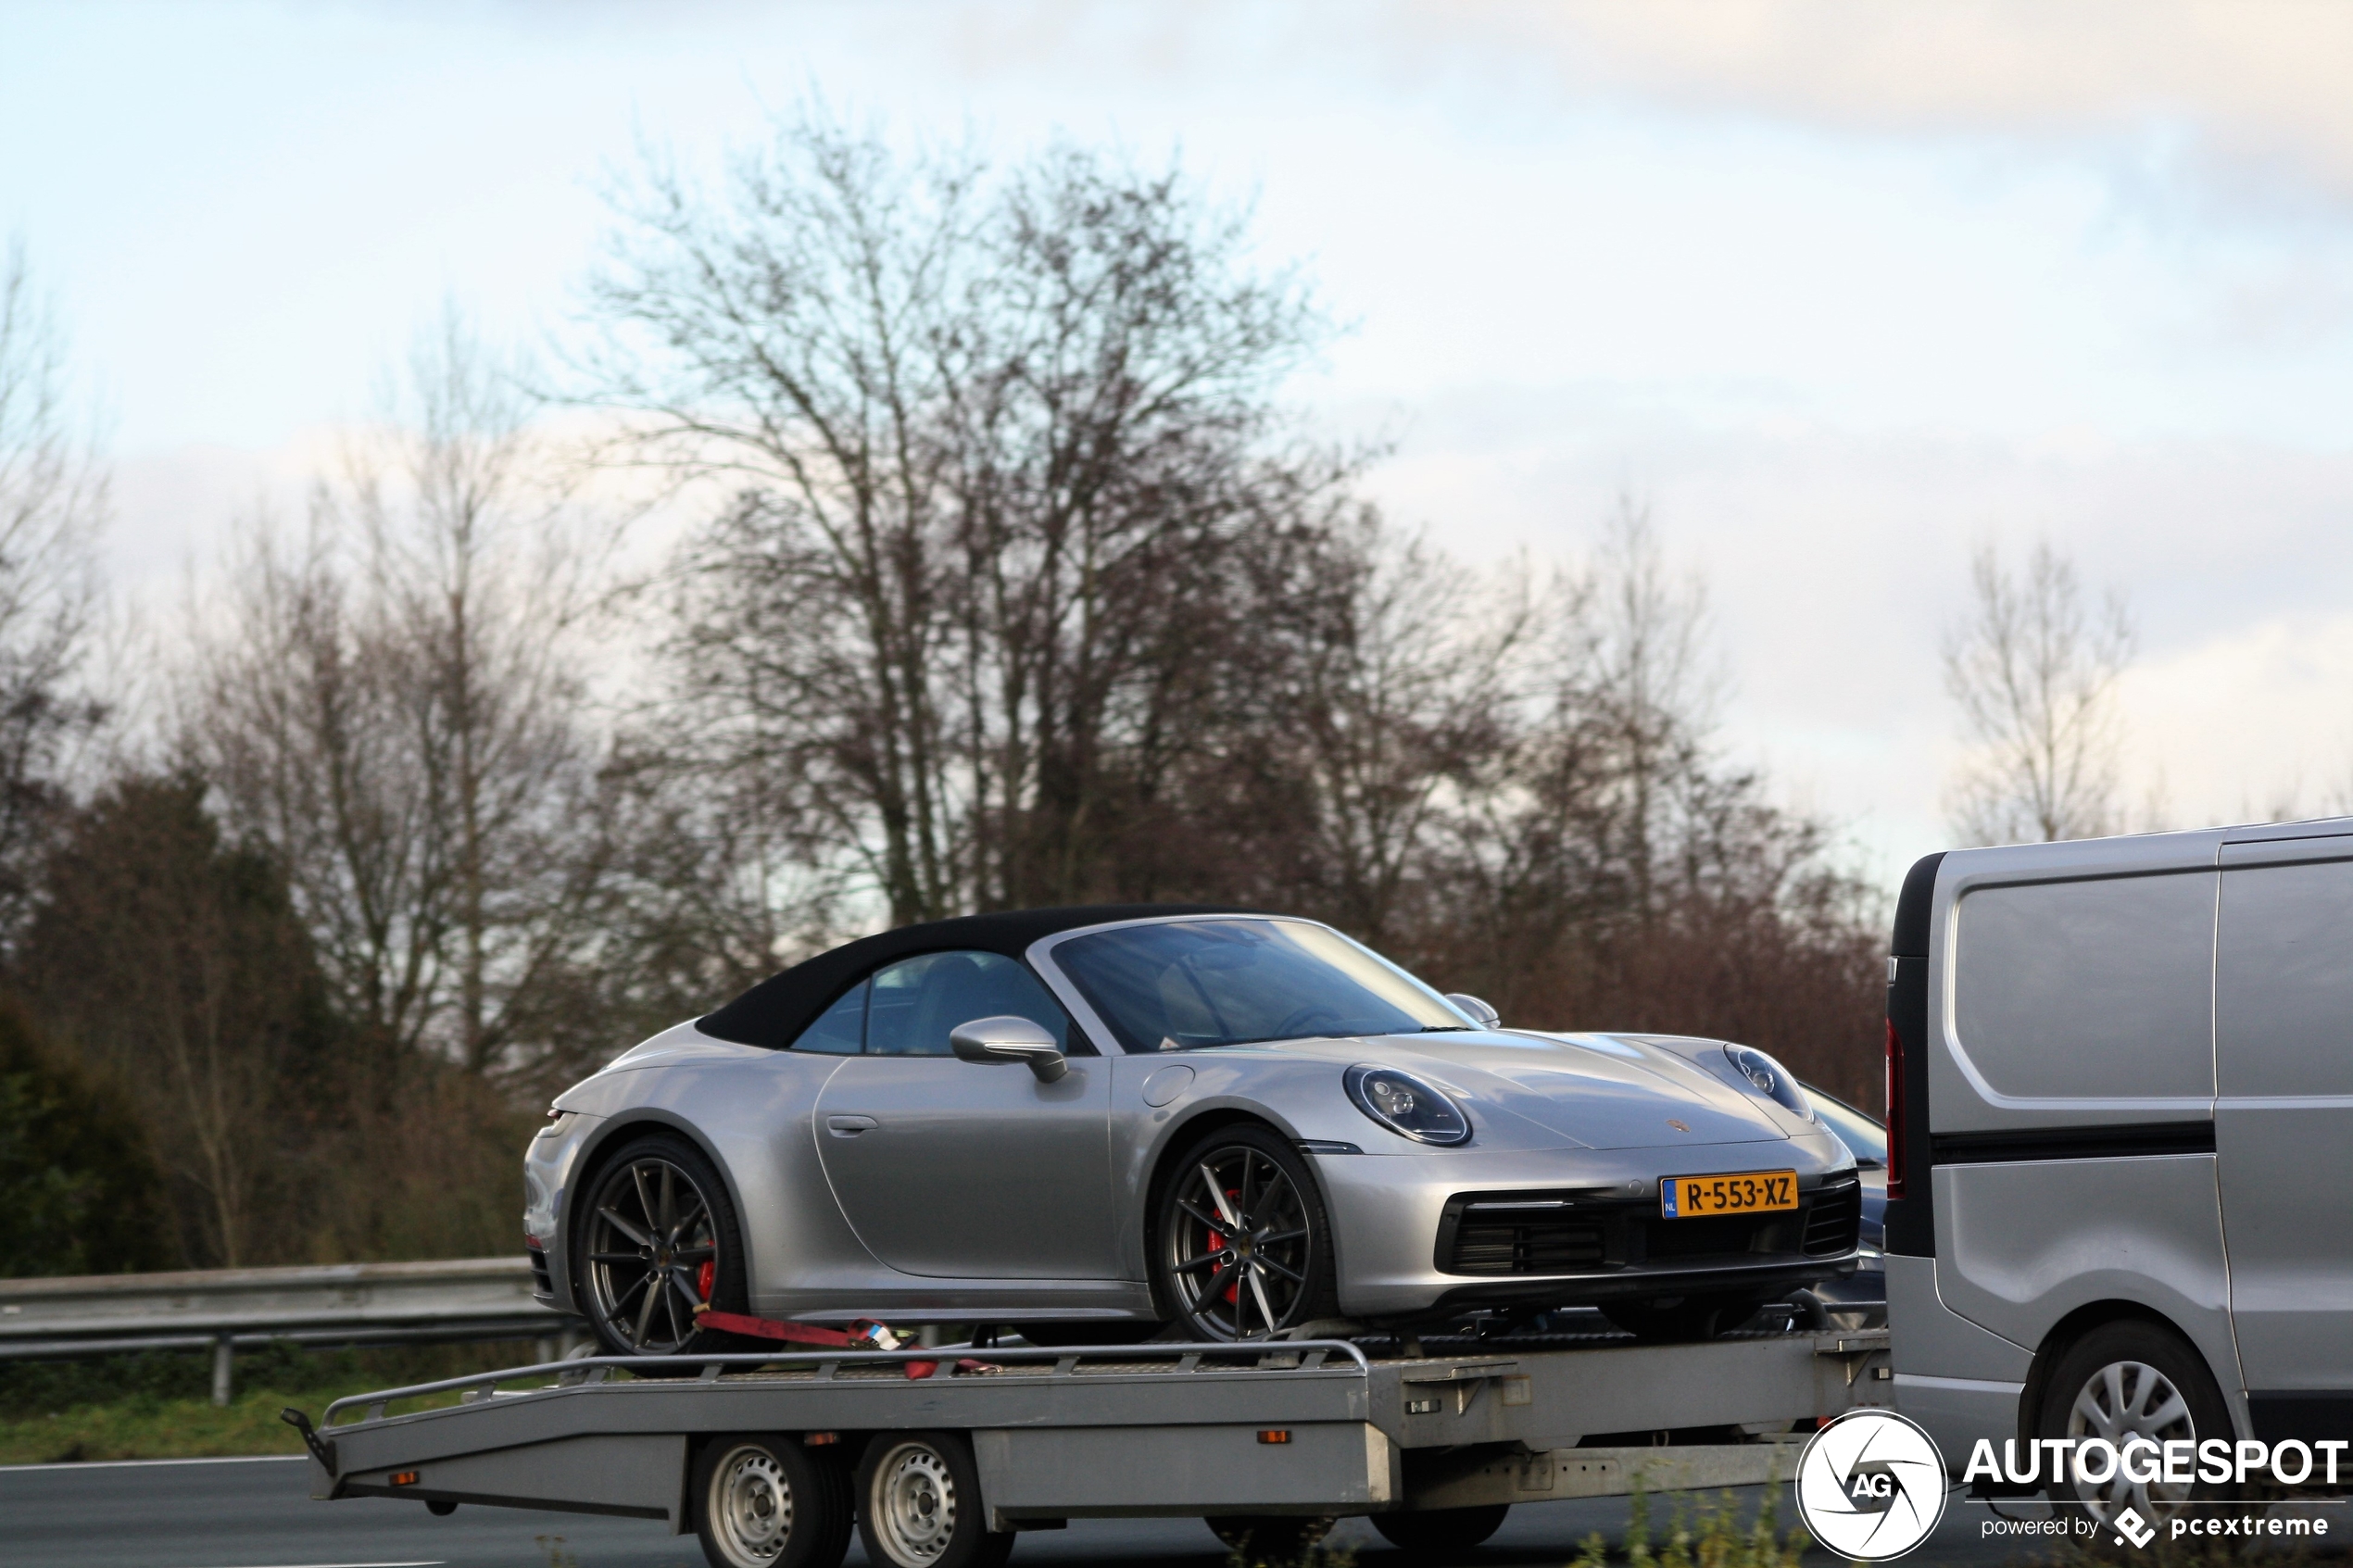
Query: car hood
x=1594 y=1091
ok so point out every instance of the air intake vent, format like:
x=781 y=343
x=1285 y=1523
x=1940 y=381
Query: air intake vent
x=1833 y=1221
x=1533 y=1236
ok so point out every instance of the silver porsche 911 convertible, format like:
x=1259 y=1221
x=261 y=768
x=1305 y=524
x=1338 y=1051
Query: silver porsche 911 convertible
x=1097 y=1124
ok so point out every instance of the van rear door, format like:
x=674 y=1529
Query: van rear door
x=2284 y=1127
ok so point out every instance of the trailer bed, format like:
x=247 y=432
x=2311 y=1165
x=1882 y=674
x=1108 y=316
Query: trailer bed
x=1311 y=1428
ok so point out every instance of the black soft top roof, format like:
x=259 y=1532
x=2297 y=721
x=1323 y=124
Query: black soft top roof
x=774 y=1012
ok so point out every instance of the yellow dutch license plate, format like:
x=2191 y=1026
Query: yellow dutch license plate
x=1748 y=1192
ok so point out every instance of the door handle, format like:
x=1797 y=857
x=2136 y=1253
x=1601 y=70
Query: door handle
x=849 y=1126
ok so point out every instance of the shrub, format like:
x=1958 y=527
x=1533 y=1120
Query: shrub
x=80 y=1193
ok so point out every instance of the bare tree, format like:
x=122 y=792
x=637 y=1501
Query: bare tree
x=1404 y=690
x=2033 y=670
x=1651 y=690
x=299 y=718
x=1007 y=487
x=53 y=503
x=395 y=706
x=480 y=588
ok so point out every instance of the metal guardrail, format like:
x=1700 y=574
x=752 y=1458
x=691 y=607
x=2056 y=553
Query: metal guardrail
x=227 y=1310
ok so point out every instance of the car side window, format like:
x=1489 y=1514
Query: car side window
x=840 y=1030
x=915 y=1002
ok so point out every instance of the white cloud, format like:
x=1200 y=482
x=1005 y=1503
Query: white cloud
x=1836 y=559
x=2261 y=87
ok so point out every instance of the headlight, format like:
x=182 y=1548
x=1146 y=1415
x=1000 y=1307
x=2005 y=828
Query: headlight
x=1771 y=1078
x=1407 y=1106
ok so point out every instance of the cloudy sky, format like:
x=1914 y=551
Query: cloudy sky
x=1842 y=290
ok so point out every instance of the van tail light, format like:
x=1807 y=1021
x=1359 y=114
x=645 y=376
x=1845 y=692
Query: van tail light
x=1896 y=1163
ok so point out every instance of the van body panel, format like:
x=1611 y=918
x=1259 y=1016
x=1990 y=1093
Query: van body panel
x=2070 y=983
x=2021 y=1246
x=2284 y=1121
x=2273 y=833
x=2075 y=990
x=1959 y=1381
x=1940 y=1342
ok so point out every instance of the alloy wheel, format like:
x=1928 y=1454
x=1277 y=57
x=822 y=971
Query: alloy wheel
x=1241 y=1244
x=2121 y=1402
x=653 y=1254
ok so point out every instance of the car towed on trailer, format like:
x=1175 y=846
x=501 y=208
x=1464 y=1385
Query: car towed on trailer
x=1103 y=1124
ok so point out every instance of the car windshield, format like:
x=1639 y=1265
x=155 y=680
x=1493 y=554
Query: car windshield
x=1864 y=1137
x=1186 y=983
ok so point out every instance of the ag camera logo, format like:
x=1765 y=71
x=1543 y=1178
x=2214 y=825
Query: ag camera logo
x=1870 y=1486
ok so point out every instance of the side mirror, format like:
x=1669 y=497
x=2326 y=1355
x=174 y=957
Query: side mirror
x=1007 y=1038
x=1478 y=1011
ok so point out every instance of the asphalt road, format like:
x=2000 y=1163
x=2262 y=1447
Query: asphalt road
x=257 y=1513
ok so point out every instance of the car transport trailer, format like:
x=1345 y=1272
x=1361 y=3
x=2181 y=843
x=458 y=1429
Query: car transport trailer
x=768 y=1458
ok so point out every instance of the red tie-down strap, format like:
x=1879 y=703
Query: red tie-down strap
x=861 y=1336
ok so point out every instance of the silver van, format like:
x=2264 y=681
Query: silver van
x=2121 y=1120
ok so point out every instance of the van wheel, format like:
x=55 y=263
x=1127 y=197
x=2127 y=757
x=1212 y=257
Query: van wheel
x=920 y=1504
x=767 y=1502
x=1441 y=1529
x=2126 y=1380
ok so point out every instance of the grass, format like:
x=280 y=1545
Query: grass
x=152 y=1428
x=159 y=1406
x=1701 y=1534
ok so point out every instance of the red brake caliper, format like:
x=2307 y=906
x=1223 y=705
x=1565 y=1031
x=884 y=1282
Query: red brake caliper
x=1217 y=1244
x=705 y=1275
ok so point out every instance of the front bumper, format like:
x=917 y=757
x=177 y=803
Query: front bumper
x=1404 y=1250
x=548 y=1164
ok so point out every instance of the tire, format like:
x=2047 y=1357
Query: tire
x=1679 y=1320
x=1441 y=1529
x=1276 y=1271
x=767 y=1502
x=1268 y=1540
x=919 y=1504
x=2130 y=1378
x=657 y=1233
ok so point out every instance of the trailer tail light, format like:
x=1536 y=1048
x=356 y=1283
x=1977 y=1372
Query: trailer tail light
x=405 y=1478
x=819 y=1439
x=1896 y=1163
x=1276 y=1435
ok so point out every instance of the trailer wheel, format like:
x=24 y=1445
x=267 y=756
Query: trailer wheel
x=767 y=1502
x=1268 y=1537
x=919 y=1504
x=1441 y=1529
